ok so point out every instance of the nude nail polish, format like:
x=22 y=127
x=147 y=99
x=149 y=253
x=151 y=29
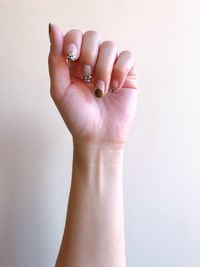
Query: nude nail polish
x=100 y=88
x=87 y=73
x=71 y=52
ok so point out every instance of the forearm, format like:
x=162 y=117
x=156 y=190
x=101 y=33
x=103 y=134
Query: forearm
x=94 y=230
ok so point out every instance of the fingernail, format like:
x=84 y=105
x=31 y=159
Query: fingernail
x=49 y=29
x=113 y=85
x=87 y=71
x=71 y=52
x=100 y=88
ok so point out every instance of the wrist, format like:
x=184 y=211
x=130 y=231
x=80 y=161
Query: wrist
x=101 y=146
x=98 y=153
x=97 y=161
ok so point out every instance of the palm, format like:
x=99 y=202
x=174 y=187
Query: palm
x=89 y=118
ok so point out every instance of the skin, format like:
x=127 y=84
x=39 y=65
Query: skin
x=94 y=228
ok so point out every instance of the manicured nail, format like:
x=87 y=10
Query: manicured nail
x=49 y=29
x=113 y=85
x=71 y=52
x=100 y=88
x=87 y=73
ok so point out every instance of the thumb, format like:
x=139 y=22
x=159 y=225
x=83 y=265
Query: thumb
x=58 y=67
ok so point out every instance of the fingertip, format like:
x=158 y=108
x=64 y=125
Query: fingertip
x=56 y=40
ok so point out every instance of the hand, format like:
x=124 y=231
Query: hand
x=95 y=89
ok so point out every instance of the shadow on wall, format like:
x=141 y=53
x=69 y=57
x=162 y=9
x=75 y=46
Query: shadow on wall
x=24 y=179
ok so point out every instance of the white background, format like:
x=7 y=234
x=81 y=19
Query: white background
x=161 y=166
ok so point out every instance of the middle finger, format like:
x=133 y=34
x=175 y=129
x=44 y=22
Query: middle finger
x=89 y=53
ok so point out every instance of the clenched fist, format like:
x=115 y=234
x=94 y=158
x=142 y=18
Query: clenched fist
x=93 y=86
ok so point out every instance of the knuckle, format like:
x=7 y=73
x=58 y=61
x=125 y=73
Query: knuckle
x=100 y=71
x=110 y=44
x=128 y=54
x=119 y=72
x=93 y=33
x=52 y=59
x=87 y=56
x=103 y=73
x=73 y=32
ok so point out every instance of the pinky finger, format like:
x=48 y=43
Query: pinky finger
x=123 y=67
x=131 y=79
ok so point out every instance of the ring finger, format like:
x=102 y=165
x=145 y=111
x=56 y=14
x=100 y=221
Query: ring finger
x=104 y=67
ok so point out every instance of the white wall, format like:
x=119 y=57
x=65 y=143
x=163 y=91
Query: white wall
x=161 y=168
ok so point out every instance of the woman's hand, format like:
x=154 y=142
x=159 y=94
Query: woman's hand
x=95 y=88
